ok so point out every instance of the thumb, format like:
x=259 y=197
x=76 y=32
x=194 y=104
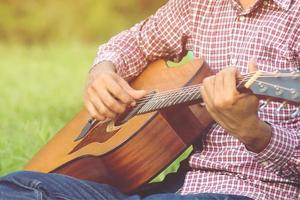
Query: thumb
x=252 y=65
x=136 y=94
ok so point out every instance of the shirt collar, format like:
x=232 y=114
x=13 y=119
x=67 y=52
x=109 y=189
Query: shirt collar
x=284 y=4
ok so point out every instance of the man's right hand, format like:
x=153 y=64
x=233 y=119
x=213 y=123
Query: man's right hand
x=107 y=94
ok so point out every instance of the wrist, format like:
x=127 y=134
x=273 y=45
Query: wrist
x=257 y=136
x=105 y=66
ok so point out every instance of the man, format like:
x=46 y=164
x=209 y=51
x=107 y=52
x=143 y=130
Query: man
x=248 y=153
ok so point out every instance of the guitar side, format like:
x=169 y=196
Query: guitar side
x=129 y=156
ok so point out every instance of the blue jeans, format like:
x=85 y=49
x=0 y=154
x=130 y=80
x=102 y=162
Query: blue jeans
x=25 y=185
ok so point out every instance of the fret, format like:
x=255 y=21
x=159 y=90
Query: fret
x=196 y=95
x=146 y=107
x=170 y=98
x=185 y=98
x=159 y=103
x=164 y=102
x=176 y=100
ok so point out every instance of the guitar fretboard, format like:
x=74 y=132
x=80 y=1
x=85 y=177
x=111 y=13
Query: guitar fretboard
x=169 y=98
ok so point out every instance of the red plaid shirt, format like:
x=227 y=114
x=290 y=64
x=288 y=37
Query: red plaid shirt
x=224 y=34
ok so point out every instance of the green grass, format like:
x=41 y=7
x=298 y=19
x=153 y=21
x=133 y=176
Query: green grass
x=41 y=90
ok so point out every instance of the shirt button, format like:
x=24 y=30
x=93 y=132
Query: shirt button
x=265 y=163
x=242 y=18
x=233 y=61
x=265 y=3
x=293 y=178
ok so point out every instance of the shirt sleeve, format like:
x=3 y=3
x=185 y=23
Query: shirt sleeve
x=295 y=44
x=162 y=35
x=282 y=155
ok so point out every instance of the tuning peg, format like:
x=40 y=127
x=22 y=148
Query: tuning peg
x=295 y=74
x=276 y=73
x=294 y=94
x=279 y=91
x=296 y=113
x=263 y=105
x=262 y=87
x=280 y=107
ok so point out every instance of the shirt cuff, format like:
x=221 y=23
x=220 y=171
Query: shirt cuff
x=279 y=151
x=113 y=57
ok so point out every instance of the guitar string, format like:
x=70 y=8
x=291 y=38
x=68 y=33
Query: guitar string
x=190 y=95
x=240 y=79
x=182 y=92
x=153 y=108
x=164 y=94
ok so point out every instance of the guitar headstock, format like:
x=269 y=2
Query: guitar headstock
x=279 y=86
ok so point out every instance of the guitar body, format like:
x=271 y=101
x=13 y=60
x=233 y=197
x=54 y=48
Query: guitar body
x=130 y=155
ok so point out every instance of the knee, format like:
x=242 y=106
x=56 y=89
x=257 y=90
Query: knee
x=20 y=185
x=21 y=178
x=19 y=175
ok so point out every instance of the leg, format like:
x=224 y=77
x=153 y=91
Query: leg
x=203 y=196
x=27 y=185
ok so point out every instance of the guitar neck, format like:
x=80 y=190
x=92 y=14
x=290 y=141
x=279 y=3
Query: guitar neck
x=276 y=86
x=161 y=100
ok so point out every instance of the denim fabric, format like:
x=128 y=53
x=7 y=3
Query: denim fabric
x=25 y=185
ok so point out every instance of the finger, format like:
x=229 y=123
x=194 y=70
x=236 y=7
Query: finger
x=118 y=92
x=207 y=92
x=111 y=104
x=230 y=88
x=219 y=86
x=136 y=94
x=207 y=100
x=209 y=86
x=224 y=96
x=101 y=108
x=252 y=65
x=93 y=111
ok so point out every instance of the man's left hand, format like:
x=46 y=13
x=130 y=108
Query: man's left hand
x=237 y=113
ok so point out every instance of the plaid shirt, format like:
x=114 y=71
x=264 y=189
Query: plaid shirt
x=224 y=34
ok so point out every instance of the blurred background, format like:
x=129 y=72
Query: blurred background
x=46 y=50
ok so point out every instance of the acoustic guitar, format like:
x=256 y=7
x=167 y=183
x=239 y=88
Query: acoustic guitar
x=135 y=147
